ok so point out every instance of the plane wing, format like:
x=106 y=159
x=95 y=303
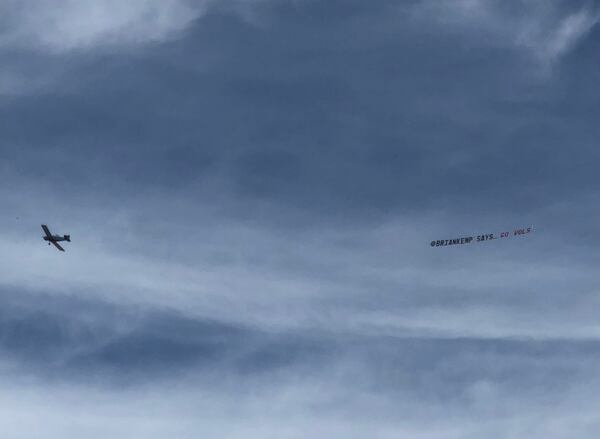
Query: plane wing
x=46 y=231
x=57 y=246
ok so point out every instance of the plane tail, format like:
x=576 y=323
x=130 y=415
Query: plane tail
x=67 y=238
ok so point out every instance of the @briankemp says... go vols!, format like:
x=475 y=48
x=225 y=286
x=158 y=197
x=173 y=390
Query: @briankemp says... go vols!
x=480 y=238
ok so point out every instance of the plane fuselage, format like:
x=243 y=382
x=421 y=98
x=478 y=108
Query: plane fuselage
x=56 y=238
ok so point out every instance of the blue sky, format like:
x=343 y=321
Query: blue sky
x=251 y=188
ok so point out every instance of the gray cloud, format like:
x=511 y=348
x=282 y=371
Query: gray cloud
x=251 y=189
x=66 y=25
x=340 y=145
x=547 y=29
x=190 y=374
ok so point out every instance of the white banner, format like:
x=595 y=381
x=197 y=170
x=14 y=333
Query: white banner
x=480 y=238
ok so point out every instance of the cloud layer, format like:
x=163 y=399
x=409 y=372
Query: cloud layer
x=66 y=25
x=548 y=29
x=251 y=189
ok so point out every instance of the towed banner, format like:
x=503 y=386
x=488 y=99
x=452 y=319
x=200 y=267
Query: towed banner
x=480 y=238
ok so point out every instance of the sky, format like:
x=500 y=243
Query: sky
x=251 y=188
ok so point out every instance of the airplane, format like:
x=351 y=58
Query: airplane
x=55 y=239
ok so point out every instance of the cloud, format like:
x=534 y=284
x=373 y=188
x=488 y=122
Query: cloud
x=551 y=40
x=547 y=30
x=251 y=205
x=75 y=363
x=356 y=279
x=37 y=37
x=103 y=369
x=286 y=184
x=64 y=25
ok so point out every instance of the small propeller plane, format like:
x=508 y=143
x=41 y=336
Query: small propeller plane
x=55 y=239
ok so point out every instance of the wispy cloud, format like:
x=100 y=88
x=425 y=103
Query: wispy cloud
x=64 y=25
x=251 y=208
x=550 y=39
x=546 y=29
